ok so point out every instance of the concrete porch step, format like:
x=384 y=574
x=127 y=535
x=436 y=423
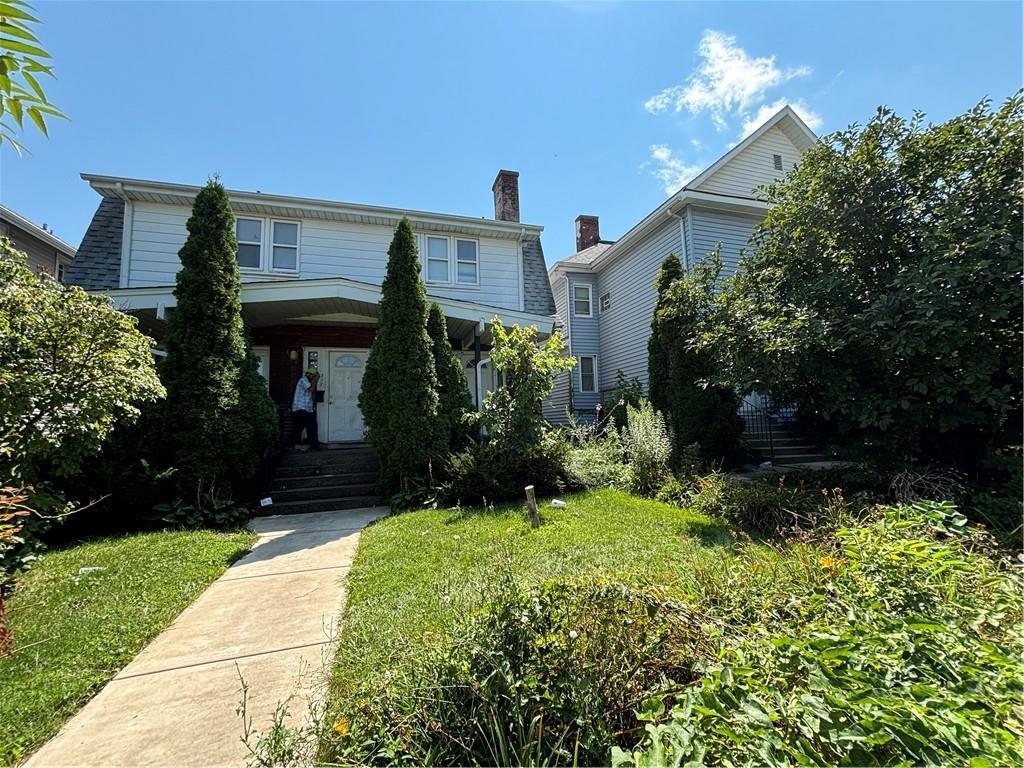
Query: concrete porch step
x=320 y=505
x=312 y=480
x=325 y=492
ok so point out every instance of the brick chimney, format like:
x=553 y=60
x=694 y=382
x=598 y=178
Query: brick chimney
x=506 y=196
x=588 y=232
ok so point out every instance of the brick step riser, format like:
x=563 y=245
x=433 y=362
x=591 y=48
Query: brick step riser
x=328 y=492
x=318 y=481
x=322 y=505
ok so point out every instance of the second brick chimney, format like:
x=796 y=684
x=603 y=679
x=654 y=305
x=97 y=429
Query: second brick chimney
x=506 y=196
x=588 y=232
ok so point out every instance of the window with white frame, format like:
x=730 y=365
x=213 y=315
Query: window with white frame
x=606 y=302
x=581 y=301
x=588 y=373
x=437 y=260
x=285 y=245
x=467 y=262
x=249 y=233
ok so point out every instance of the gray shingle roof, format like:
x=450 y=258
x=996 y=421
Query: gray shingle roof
x=97 y=265
x=536 y=287
x=587 y=255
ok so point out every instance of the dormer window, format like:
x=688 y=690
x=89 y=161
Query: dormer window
x=452 y=260
x=267 y=245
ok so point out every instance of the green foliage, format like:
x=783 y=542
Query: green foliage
x=905 y=654
x=765 y=505
x=22 y=62
x=222 y=514
x=78 y=628
x=595 y=458
x=685 y=367
x=883 y=295
x=71 y=369
x=512 y=412
x=647 y=443
x=545 y=676
x=218 y=418
x=626 y=392
x=453 y=400
x=519 y=449
x=399 y=397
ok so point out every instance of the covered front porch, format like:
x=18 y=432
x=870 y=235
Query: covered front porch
x=330 y=323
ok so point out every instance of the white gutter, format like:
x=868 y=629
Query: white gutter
x=682 y=235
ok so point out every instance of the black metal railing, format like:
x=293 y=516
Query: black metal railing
x=759 y=421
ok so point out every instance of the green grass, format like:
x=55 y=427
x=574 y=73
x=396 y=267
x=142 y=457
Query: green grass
x=77 y=630
x=416 y=574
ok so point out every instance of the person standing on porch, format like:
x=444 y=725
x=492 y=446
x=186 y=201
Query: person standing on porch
x=304 y=409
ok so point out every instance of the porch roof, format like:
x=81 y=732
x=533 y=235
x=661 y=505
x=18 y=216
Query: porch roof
x=323 y=301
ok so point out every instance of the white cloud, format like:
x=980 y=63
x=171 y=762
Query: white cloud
x=671 y=170
x=755 y=121
x=728 y=81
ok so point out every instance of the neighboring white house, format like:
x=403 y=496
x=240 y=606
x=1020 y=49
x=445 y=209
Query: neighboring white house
x=311 y=274
x=604 y=294
x=46 y=252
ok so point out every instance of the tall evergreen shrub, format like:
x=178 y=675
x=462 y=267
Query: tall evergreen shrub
x=453 y=400
x=683 y=370
x=399 y=393
x=218 y=417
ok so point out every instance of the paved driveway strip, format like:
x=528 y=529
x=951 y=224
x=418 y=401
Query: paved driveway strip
x=273 y=613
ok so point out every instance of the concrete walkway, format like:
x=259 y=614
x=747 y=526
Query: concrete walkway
x=273 y=614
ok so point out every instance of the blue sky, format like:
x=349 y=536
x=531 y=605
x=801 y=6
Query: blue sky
x=601 y=107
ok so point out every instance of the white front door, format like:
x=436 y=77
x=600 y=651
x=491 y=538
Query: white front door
x=344 y=382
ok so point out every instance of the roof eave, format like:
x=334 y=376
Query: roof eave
x=37 y=232
x=123 y=187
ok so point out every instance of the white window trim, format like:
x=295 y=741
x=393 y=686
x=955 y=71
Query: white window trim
x=453 y=261
x=266 y=244
x=272 y=245
x=600 y=301
x=597 y=386
x=263 y=250
x=590 y=299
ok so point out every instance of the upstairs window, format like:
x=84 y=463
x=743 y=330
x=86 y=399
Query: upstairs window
x=249 y=233
x=467 y=265
x=581 y=301
x=285 y=246
x=606 y=302
x=437 y=260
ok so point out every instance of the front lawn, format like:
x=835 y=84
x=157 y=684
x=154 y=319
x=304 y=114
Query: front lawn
x=78 y=628
x=632 y=630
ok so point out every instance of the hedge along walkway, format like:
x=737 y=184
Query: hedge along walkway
x=270 y=618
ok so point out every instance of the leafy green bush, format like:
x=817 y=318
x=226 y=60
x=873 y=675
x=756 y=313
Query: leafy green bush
x=626 y=392
x=765 y=506
x=595 y=458
x=648 y=448
x=550 y=676
x=453 y=400
x=495 y=470
x=223 y=514
x=906 y=654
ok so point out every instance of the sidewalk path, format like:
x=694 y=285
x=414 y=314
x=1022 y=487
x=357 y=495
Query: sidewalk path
x=273 y=613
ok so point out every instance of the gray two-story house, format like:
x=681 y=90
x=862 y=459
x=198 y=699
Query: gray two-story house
x=604 y=294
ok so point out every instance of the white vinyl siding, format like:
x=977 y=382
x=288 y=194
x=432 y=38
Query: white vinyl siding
x=326 y=249
x=710 y=227
x=754 y=166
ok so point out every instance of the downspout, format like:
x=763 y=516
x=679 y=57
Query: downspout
x=682 y=237
x=479 y=389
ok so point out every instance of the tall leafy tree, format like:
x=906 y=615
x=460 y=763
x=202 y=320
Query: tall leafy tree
x=685 y=369
x=399 y=393
x=453 y=399
x=218 y=417
x=883 y=295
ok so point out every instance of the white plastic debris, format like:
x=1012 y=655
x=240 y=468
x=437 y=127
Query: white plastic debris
x=266 y=502
x=90 y=569
x=558 y=504
x=765 y=465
